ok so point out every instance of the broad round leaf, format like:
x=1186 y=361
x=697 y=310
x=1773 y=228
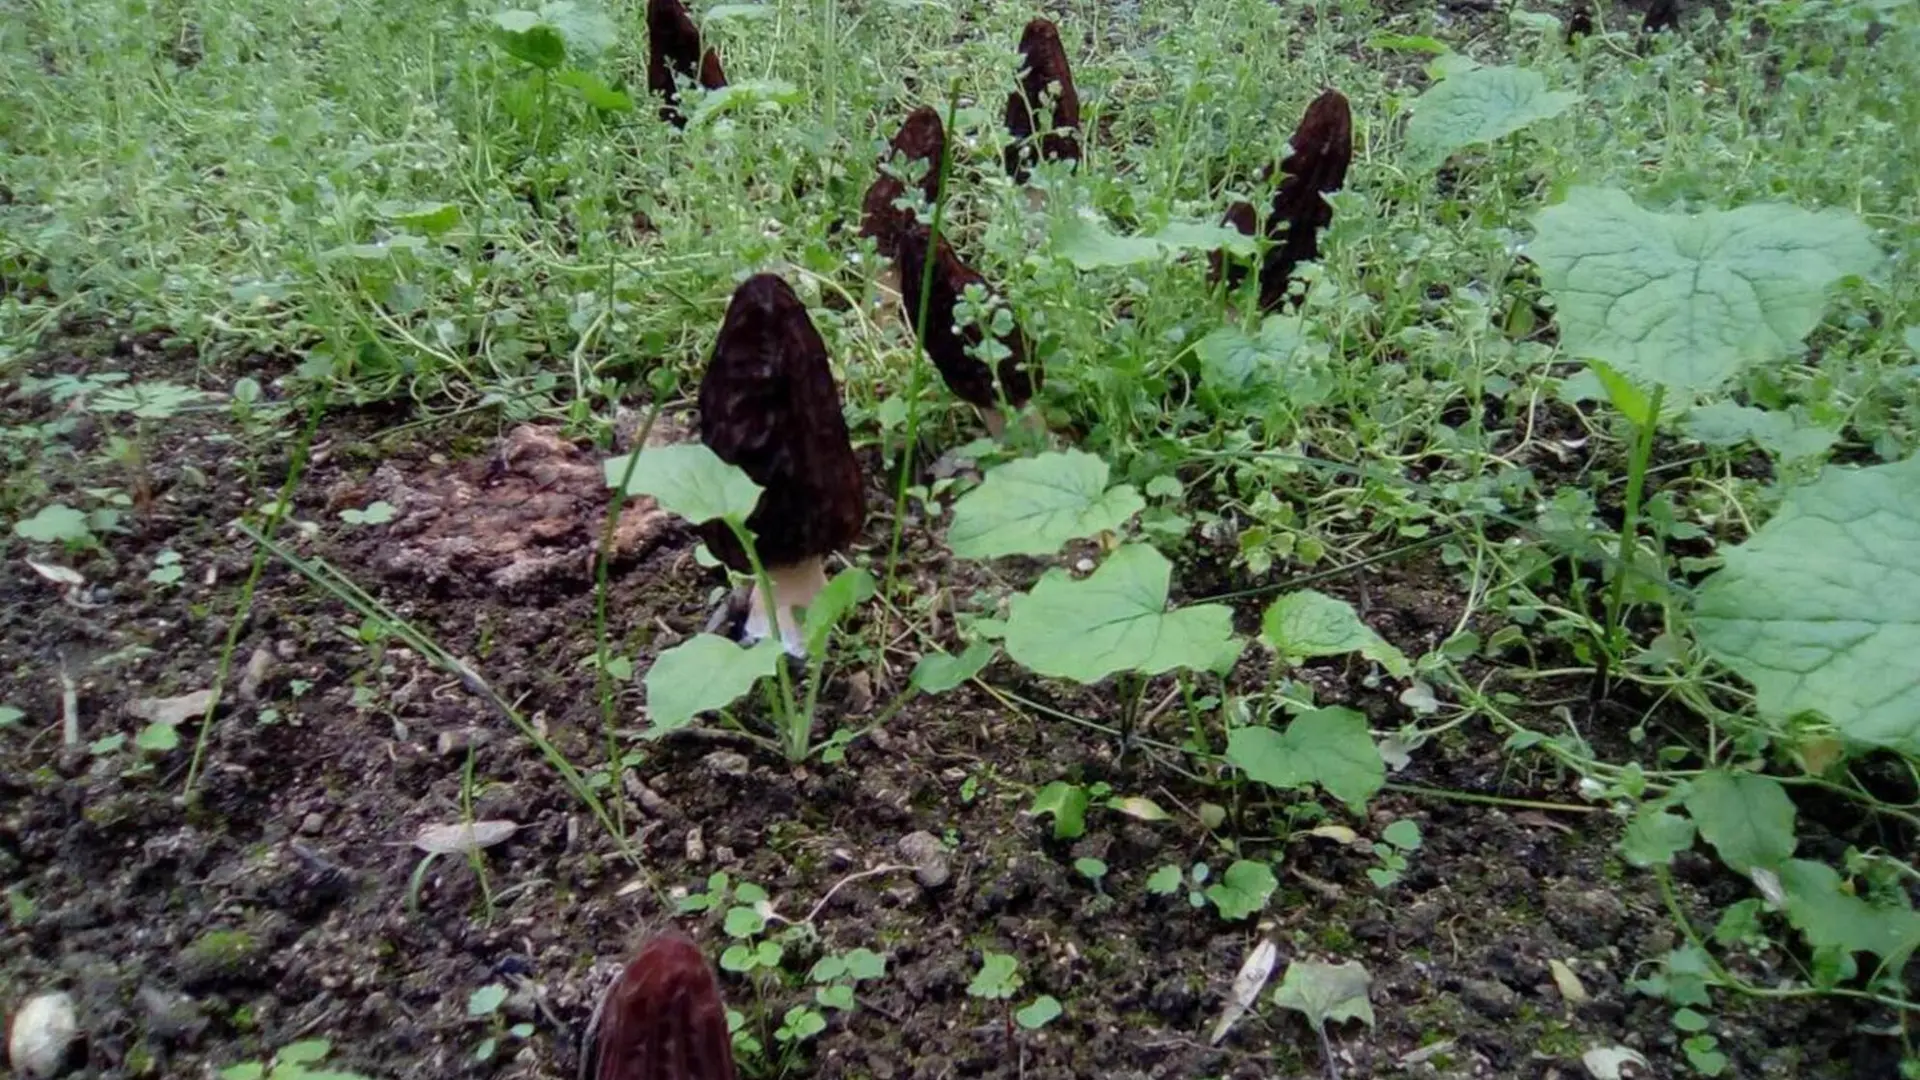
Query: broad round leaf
x=1326 y=993
x=1686 y=301
x=54 y=524
x=1116 y=619
x=1034 y=505
x=689 y=480
x=1244 y=889
x=1330 y=747
x=1748 y=818
x=1308 y=623
x=937 y=673
x=703 y=673
x=1234 y=362
x=1479 y=105
x=1820 y=609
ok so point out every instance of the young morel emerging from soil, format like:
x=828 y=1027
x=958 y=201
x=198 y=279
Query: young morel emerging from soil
x=963 y=356
x=673 y=51
x=662 y=1019
x=920 y=143
x=1316 y=162
x=769 y=405
x=1044 y=74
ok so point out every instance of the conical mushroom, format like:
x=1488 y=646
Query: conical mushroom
x=1316 y=163
x=1044 y=73
x=673 y=50
x=956 y=352
x=769 y=405
x=921 y=140
x=662 y=1019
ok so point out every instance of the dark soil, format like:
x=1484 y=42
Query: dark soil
x=282 y=903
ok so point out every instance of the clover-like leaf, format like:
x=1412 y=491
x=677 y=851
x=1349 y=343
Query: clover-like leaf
x=1034 y=505
x=1326 y=993
x=1479 y=105
x=1307 y=623
x=1655 y=836
x=1820 y=609
x=1748 y=818
x=1686 y=301
x=1116 y=619
x=704 y=672
x=1330 y=747
x=689 y=480
x=1244 y=889
x=998 y=977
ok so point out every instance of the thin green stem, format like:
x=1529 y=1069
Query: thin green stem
x=1630 y=520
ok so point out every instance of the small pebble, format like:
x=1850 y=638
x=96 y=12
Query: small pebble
x=458 y=741
x=42 y=1037
x=696 y=846
x=313 y=823
x=727 y=763
x=928 y=856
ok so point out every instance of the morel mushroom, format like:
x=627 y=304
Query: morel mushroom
x=673 y=53
x=958 y=354
x=921 y=140
x=1044 y=72
x=1320 y=151
x=662 y=1019
x=769 y=405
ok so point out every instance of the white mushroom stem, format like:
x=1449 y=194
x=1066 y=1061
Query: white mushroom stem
x=794 y=588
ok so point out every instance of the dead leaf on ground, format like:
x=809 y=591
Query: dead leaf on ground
x=461 y=837
x=172 y=711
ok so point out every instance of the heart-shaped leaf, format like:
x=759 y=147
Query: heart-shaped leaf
x=1479 y=105
x=689 y=480
x=1307 y=623
x=1330 y=747
x=1034 y=505
x=1115 y=620
x=703 y=673
x=1683 y=300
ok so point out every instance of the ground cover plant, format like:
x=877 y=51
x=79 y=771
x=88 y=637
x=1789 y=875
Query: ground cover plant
x=1479 y=645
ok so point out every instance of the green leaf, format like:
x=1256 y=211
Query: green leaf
x=1116 y=620
x=1085 y=240
x=378 y=512
x=1244 y=889
x=594 y=91
x=521 y=35
x=703 y=673
x=54 y=524
x=1090 y=868
x=1042 y=1011
x=10 y=716
x=587 y=30
x=430 y=219
x=937 y=673
x=722 y=12
x=864 y=964
x=997 y=979
x=158 y=738
x=246 y=1070
x=1067 y=804
x=1724 y=424
x=1034 y=505
x=1631 y=402
x=1820 y=609
x=1748 y=818
x=1330 y=747
x=1234 y=363
x=1403 y=834
x=835 y=997
x=1688 y=300
x=1820 y=907
x=1654 y=837
x=487 y=1000
x=689 y=480
x=744 y=95
x=305 y=1052
x=1479 y=105
x=848 y=589
x=1326 y=993
x=1307 y=623
x=1164 y=881
x=744 y=922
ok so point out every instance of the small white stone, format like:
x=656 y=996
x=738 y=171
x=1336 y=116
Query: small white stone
x=43 y=1032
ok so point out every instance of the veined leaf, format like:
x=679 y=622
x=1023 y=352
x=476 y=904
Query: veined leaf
x=1330 y=747
x=703 y=673
x=1479 y=105
x=1820 y=609
x=1034 y=505
x=1307 y=623
x=1116 y=620
x=1748 y=818
x=689 y=480
x=1686 y=301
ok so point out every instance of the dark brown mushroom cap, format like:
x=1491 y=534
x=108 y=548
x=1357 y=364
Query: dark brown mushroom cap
x=1043 y=65
x=922 y=138
x=663 y=1018
x=1321 y=151
x=768 y=404
x=673 y=49
x=967 y=376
